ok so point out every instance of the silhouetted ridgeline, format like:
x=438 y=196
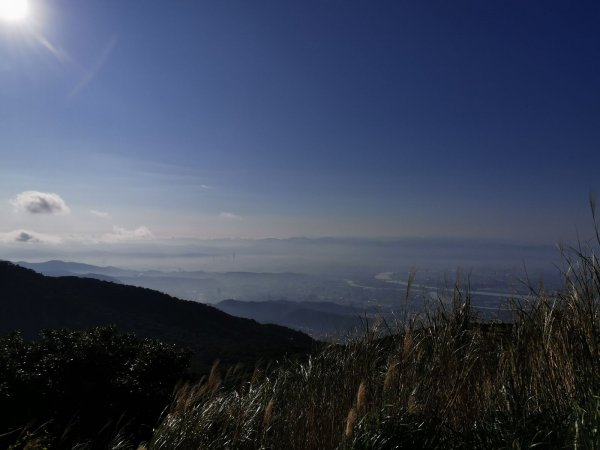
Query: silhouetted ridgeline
x=31 y=302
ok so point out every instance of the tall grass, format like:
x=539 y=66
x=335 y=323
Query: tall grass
x=443 y=379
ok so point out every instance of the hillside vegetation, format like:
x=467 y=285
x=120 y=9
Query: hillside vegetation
x=31 y=302
x=441 y=380
x=84 y=388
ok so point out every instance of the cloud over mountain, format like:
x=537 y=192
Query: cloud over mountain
x=120 y=234
x=229 y=215
x=28 y=237
x=24 y=236
x=35 y=202
x=101 y=214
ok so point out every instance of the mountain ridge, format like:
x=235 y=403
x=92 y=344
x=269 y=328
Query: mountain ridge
x=31 y=302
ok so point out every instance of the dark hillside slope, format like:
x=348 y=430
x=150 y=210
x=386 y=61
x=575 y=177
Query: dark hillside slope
x=30 y=302
x=320 y=319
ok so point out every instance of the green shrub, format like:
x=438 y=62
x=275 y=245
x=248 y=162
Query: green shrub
x=85 y=384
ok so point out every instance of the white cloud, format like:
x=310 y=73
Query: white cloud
x=28 y=237
x=229 y=215
x=35 y=202
x=101 y=214
x=206 y=186
x=120 y=234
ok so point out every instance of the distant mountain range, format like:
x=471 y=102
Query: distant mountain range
x=56 y=268
x=253 y=293
x=206 y=287
x=30 y=302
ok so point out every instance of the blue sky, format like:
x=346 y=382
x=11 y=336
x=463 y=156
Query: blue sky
x=204 y=119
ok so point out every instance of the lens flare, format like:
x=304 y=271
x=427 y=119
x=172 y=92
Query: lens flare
x=14 y=10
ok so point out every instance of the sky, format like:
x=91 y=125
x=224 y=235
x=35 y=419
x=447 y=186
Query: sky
x=155 y=120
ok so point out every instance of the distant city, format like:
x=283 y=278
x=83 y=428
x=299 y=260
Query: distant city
x=331 y=287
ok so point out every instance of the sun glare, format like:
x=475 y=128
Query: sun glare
x=14 y=10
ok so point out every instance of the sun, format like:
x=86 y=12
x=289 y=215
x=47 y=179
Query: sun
x=14 y=10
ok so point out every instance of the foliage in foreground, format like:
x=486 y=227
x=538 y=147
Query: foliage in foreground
x=73 y=386
x=443 y=380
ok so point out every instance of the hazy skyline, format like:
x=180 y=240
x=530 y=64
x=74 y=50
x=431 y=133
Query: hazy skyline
x=127 y=122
